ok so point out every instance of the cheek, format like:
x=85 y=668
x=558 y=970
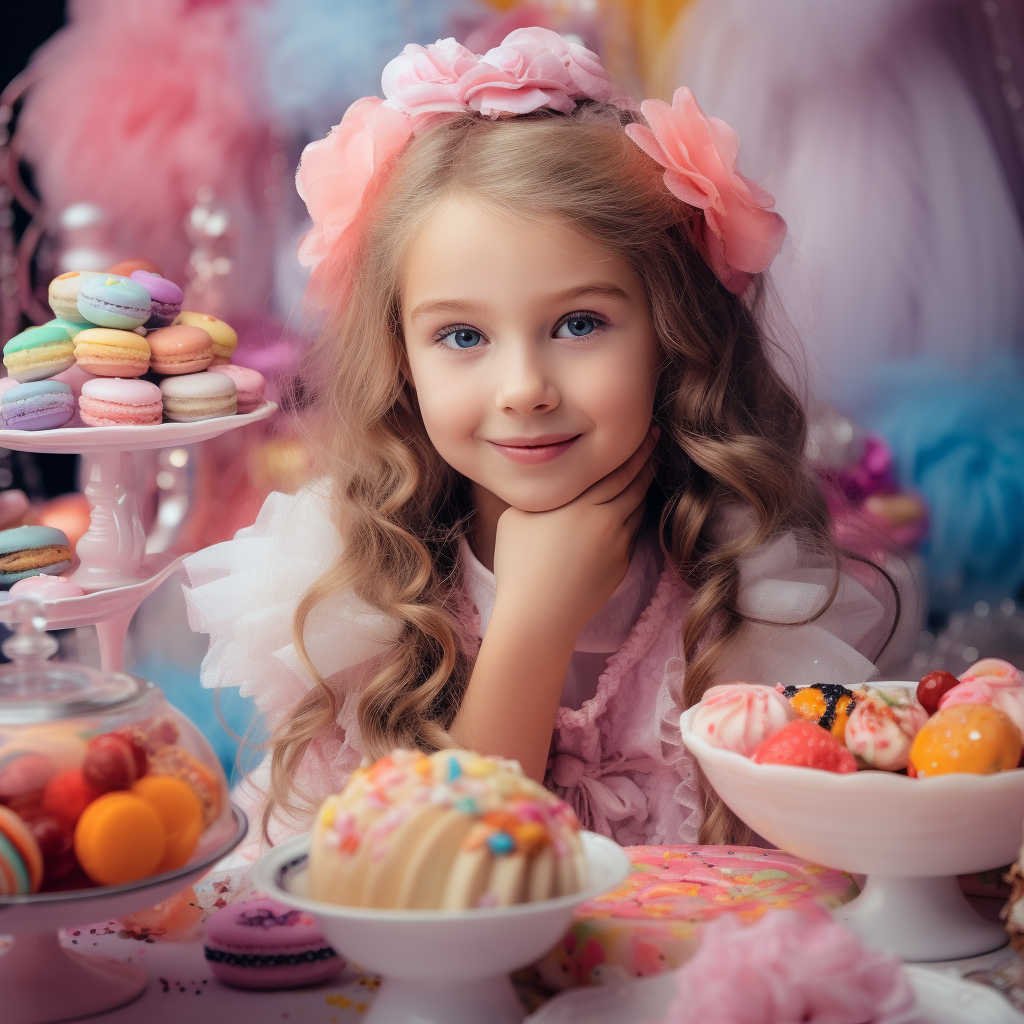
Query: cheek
x=450 y=412
x=622 y=412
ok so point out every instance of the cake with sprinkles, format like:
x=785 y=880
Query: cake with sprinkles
x=447 y=831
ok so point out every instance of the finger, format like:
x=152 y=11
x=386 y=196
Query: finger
x=631 y=498
x=609 y=487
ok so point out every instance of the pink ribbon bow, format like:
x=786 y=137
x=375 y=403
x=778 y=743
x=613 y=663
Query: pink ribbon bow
x=600 y=793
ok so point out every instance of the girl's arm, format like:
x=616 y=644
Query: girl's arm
x=553 y=572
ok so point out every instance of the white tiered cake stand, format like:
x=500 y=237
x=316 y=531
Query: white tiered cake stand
x=113 y=569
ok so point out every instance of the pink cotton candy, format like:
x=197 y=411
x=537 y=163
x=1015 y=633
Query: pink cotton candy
x=138 y=106
x=974 y=692
x=786 y=969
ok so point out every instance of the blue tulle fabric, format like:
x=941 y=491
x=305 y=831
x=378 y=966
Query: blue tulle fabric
x=320 y=55
x=209 y=710
x=959 y=442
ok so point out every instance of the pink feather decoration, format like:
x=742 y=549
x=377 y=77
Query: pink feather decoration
x=140 y=105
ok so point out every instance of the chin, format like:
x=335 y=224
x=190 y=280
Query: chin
x=541 y=502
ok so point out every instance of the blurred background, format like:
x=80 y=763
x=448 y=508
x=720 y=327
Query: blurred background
x=891 y=133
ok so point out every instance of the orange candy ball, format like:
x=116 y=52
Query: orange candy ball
x=181 y=812
x=120 y=838
x=970 y=738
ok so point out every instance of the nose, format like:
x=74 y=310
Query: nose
x=525 y=384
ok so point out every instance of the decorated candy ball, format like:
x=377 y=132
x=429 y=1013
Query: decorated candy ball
x=972 y=738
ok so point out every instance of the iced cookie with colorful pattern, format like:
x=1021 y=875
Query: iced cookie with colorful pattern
x=652 y=922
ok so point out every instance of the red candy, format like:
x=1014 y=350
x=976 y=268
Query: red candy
x=933 y=687
x=806 y=744
x=56 y=839
x=67 y=794
x=113 y=762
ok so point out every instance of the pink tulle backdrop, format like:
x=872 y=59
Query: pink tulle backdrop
x=140 y=106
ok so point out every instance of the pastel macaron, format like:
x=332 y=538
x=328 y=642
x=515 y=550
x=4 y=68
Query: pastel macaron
x=63 y=294
x=224 y=338
x=40 y=352
x=108 y=352
x=198 y=396
x=37 y=405
x=112 y=401
x=249 y=383
x=109 y=300
x=264 y=944
x=165 y=297
x=30 y=550
x=179 y=349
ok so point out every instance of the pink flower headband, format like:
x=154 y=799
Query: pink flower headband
x=340 y=176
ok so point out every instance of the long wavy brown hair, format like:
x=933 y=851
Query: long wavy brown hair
x=733 y=430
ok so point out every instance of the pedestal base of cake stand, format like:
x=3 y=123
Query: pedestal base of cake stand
x=42 y=982
x=471 y=1001
x=920 y=919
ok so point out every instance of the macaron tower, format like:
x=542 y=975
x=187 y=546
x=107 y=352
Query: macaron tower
x=452 y=830
x=109 y=325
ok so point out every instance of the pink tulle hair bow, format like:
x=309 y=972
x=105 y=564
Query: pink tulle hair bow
x=340 y=176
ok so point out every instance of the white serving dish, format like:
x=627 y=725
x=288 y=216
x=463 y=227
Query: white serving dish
x=911 y=837
x=441 y=967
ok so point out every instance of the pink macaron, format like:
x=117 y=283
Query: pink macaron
x=264 y=944
x=49 y=588
x=113 y=401
x=250 y=384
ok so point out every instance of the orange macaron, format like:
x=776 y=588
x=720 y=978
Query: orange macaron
x=179 y=349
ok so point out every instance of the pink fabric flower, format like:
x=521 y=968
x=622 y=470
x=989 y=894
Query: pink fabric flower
x=740 y=235
x=788 y=969
x=534 y=68
x=428 y=79
x=338 y=177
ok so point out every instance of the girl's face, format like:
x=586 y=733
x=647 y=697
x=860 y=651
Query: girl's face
x=531 y=352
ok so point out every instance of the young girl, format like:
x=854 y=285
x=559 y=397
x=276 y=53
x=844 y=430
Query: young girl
x=562 y=488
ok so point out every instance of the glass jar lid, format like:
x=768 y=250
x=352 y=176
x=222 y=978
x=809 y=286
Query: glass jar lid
x=35 y=690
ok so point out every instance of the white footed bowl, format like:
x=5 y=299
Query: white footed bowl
x=441 y=967
x=910 y=836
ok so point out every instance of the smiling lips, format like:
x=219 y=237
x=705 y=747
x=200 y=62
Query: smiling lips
x=532 y=450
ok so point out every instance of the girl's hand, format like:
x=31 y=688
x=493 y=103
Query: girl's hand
x=555 y=570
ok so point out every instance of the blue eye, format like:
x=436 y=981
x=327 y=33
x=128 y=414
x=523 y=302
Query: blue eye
x=579 y=327
x=461 y=337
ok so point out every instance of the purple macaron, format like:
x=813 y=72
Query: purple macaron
x=264 y=944
x=38 y=405
x=166 y=297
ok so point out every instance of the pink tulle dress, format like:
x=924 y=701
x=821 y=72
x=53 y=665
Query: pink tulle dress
x=617 y=754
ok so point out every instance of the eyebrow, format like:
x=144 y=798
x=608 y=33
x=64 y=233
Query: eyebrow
x=605 y=288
